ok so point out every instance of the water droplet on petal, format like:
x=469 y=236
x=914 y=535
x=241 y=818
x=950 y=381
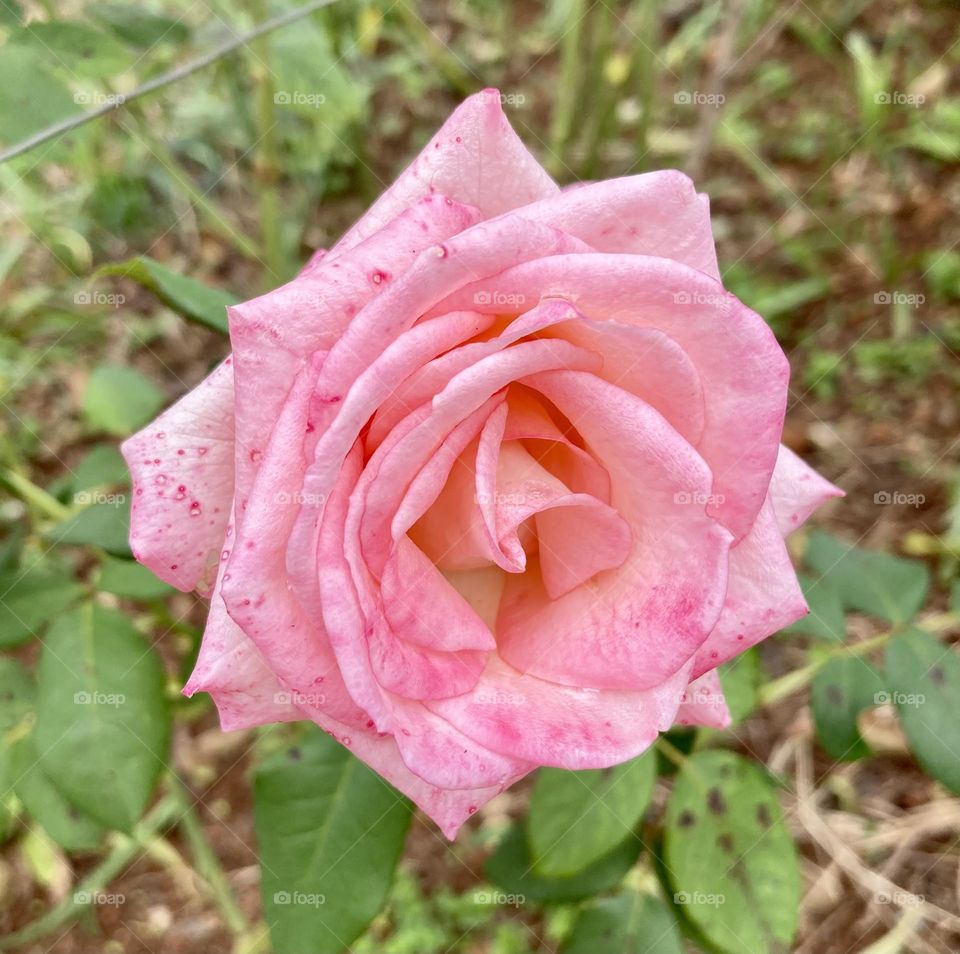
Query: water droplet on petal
x=195 y=509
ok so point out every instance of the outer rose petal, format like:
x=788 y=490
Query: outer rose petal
x=703 y=703
x=548 y=724
x=449 y=808
x=796 y=490
x=475 y=158
x=182 y=467
x=657 y=213
x=763 y=594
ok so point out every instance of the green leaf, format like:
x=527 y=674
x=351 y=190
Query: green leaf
x=923 y=676
x=825 y=619
x=104 y=524
x=103 y=722
x=30 y=98
x=74 y=49
x=577 y=817
x=130 y=579
x=63 y=822
x=330 y=832
x=11 y=13
x=184 y=295
x=16 y=694
x=840 y=692
x=730 y=858
x=511 y=868
x=740 y=680
x=627 y=924
x=120 y=400
x=32 y=597
x=867 y=581
x=138 y=27
x=102 y=466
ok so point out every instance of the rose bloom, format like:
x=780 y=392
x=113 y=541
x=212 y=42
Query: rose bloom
x=496 y=482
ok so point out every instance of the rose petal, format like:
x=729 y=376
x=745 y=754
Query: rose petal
x=564 y=726
x=703 y=703
x=475 y=158
x=182 y=468
x=742 y=369
x=657 y=213
x=635 y=626
x=763 y=594
x=796 y=490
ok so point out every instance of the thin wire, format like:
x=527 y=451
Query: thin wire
x=173 y=76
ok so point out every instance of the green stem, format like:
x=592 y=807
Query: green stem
x=266 y=166
x=215 y=219
x=670 y=752
x=568 y=87
x=800 y=678
x=124 y=850
x=208 y=866
x=35 y=497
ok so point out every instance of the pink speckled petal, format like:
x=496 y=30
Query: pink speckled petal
x=742 y=369
x=449 y=808
x=796 y=490
x=565 y=726
x=763 y=594
x=272 y=334
x=182 y=468
x=635 y=626
x=475 y=158
x=254 y=586
x=657 y=213
x=703 y=703
x=441 y=755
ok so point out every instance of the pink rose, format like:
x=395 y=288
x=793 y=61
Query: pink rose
x=494 y=483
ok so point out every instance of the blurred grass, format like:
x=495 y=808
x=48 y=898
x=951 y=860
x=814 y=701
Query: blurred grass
x=827 y=136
